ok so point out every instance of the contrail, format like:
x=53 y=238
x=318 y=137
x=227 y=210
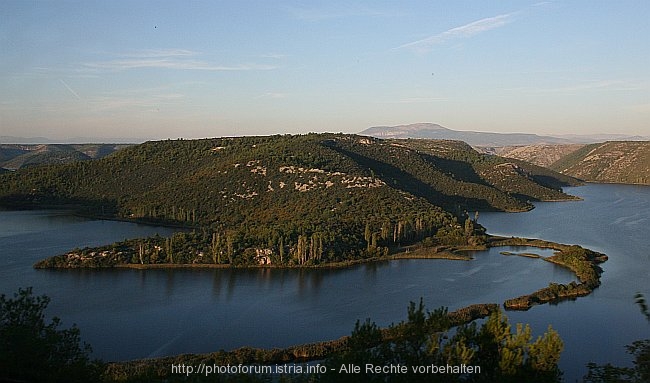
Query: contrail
x=70 y=89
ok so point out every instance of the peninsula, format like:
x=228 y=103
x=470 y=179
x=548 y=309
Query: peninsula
x=285 y=200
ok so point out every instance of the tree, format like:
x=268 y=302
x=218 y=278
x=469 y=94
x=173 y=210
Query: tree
x=169 y=249
x=509 y=356
x=426 y=338
x=364 y=347
x=640 y=300
x=640 y=350
x=35 y=351
x=367 y=234
x=469 y=227
x=215 y=248
x=609 y=373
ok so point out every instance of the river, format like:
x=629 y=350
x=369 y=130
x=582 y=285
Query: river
x=126 y=314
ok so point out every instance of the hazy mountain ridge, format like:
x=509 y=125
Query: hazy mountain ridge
x=70 y=140
x=582 y=156
x=541 y=154
x=484 y=139
x=15 y=156
x=609 y=162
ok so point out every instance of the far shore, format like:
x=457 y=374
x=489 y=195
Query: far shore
x=420 y=253
x=409 y=252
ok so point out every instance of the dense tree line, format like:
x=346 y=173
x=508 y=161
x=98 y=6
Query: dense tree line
x=424 y=339
x=279 y=246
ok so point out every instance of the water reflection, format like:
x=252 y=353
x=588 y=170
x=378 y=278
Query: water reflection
x=142 y=276
x=170 y=276
x=216 y=284
x=137 y=313
x=232 y=283
x=447 y=282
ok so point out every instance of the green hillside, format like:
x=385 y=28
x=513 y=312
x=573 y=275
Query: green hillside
x=15 y=156
x=284 y=200
x=522 y=179
x=613 y=161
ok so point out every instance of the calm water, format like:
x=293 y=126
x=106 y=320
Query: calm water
x=129 y=314
x=614 y=219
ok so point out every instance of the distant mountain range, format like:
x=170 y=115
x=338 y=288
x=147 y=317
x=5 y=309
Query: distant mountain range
x=485 y=139
x=539 y=154
x=621 y=159
x=73 y=140
x=16 y=156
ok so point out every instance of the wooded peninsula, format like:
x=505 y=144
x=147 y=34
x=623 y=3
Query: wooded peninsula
x=283 y=200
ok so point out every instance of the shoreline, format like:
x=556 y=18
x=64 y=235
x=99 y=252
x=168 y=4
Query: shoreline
x=422 y=253
x=315 y=351
x=565 y=256
x=582 y=262
x=302 y=353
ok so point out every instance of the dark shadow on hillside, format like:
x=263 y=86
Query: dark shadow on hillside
x=401 y=180
x=97 y=208
x=461 y=170
x=552 y=182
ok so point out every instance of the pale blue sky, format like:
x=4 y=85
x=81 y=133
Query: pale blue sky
x=191 y=69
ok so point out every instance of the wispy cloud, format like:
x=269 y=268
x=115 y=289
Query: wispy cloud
x=70 y=89
x=170 y=59
x=344 y=11
x=174 y=64
x=463 y=31
x=416 y=100
x=272 y=95
x=586 y=86
x=149 y=53
x=589 y=85
x=276 y=56
x=134 y=101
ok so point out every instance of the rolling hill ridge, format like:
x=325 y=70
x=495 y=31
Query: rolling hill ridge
x=15 y=156
x=285 y=200
x=610 y=162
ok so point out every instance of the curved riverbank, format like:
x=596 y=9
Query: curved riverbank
x=584 y=263
x=160 y=367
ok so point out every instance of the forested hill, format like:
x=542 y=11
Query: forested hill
x=288 y=199
x=613 y=161
x=15 y=156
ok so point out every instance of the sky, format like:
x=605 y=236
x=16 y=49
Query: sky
x=168 y=69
